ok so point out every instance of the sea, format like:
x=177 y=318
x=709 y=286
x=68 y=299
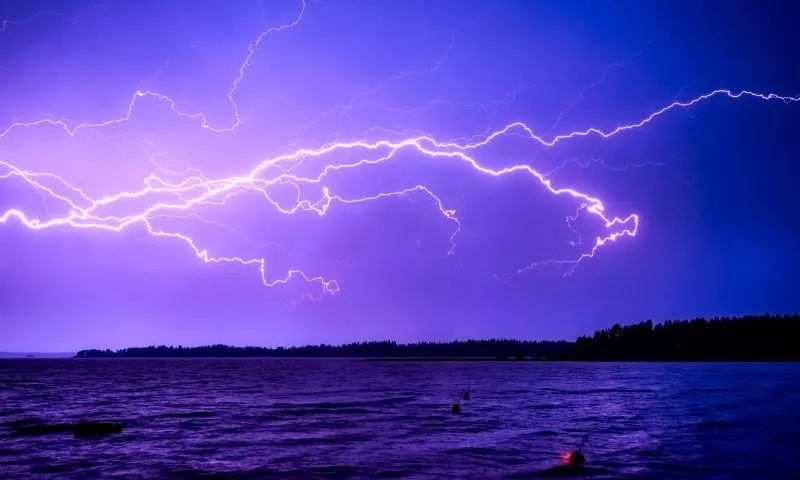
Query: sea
x=355 y=418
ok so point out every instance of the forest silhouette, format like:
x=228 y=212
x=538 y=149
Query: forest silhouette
x=748 y=338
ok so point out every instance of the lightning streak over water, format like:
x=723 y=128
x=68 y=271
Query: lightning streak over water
x=175 y=194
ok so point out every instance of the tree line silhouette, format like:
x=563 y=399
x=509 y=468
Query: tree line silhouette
x=748 y=338
x=469 y=348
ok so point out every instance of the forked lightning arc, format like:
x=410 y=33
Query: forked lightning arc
x=197 y=189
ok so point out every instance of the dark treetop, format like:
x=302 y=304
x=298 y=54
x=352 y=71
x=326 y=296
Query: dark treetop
x=750 y=338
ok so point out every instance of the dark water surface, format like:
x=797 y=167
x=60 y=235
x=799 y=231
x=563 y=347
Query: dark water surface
x=266 y=418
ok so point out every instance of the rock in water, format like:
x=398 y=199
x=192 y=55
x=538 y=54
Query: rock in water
x=85 y=429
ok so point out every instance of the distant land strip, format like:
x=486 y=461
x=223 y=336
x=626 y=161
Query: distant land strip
x=747 y=338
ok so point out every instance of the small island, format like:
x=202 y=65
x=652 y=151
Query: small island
x=748 y=338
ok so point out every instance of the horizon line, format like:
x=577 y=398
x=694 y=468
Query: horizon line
x=661 y=322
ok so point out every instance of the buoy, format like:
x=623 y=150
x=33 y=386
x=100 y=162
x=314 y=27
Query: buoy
x=466 y=394
x=456 y=408
x=85 y=429
x=577 y=457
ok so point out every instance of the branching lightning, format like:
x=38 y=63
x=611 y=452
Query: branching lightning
x=174 y=194
x=7 y=22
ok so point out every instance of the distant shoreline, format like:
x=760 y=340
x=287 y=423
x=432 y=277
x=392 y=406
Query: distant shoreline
x=412 y=359
x=415 y=359
x=765 y=338
x=440 y=359
x=36 y=355
x=470 y=350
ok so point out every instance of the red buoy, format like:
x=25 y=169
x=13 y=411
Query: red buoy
x=576 y=458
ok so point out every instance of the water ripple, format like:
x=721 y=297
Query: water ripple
x=276 y=418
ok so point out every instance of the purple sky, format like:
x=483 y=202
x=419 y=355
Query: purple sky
x=424 y=240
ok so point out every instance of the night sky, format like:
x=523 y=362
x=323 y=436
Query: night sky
x=712 y=185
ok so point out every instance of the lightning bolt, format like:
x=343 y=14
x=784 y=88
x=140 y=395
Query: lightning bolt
x=594 y=84
x=357 y=102
x=6 y=22
x=602 y=163
x=168 y=196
